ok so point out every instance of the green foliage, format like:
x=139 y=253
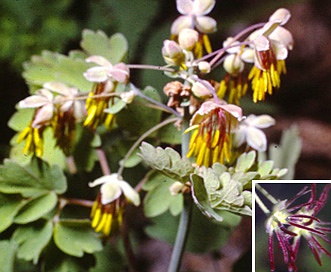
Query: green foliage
x=158 y=187
x=7 y=249
x=74 y=237
x=27 y=27
x=168 y=161
x=221 y=188
x=32 y=239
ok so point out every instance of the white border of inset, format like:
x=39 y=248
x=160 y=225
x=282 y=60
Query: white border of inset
x=253 y=205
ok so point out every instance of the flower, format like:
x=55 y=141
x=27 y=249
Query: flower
x=291 y=223
x=172 y=53
x=270 y=46
x=108 y=208
x=105 y=70
x=305 y=223
x=211 y=125
x=56 y=106
x=193 y=16
x=249 y=131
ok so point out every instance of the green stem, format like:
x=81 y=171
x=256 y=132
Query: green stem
x=141 y=138
x=181 y=237
x=185 y=217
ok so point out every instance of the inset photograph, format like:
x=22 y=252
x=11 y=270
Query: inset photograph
x=291 y=226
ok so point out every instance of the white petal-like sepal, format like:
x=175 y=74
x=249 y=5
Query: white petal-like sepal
x=110 y=191
x=203 y=7
x=130 y=193
x=280 y=16
x=262 y=121
x=206 y=24
x=97 y=74
x=184 y=6
x=256 y=139
x=99 y=60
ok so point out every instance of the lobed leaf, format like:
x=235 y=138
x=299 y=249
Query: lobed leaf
x=35 y=208
x=8 y=250
x=113 y=48
x=168 y=161
x=9 y=207
x=32 y=239
x=76 y=237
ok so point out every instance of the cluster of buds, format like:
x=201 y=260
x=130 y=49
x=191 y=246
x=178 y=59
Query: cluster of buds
x=290 y=224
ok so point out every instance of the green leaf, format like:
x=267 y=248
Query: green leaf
x=8 y=250
x=32 y=239
x=34 y=179
x=224 y=192
x=152 y=204
x=265 y=167
x=56 y=67
x=200 y=198
x=109 y=259
x=52 y=154
x=9 y=207
x=76 y=237
x=97 y=43
x=245 y=161
x=116 y=108
x=20 y=119
x=168 y=161
x=36 y=208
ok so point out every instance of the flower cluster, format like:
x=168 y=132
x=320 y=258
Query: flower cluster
x=290 y=224
x=267 y=50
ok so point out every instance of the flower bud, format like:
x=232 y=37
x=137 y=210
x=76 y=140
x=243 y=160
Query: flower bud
x=188 y=38
x=233 y=64
x=172 y=53
x=176 y=188
x=200 y=90
x=128 y=97
x=204 y=67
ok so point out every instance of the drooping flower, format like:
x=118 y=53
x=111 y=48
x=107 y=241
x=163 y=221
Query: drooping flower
x=56 y=106
x=106 y=76
x=107 y=210
x=270 y=46
x=211 y=125
x=249 y=131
